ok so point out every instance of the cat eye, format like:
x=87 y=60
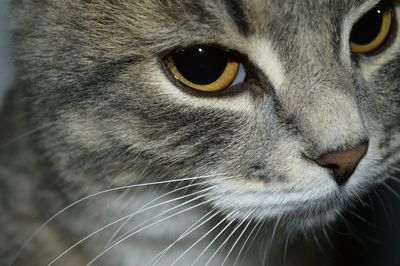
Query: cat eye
x=372 y=30
x=205 y=68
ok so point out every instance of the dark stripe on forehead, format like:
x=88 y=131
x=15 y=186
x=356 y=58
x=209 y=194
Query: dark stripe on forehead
x=236 y=12
x=89 y=85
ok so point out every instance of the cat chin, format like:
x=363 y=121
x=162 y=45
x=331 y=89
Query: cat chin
x=294 y=212
x=292 y=220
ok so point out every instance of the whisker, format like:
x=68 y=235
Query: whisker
x=40 y=229
x=226 y=240
x=394 y=178
x=237 y=140
x=166 y=211
x=252 y=240
x=372 y=206
x=285 y=250
x=115 y=222
x=268 y=247
x=123 y=194
x=237 y=240
x=328 y=239
x=382 y=202
x=191 y=229
x=245 y=242
x=351 y=232
x=316 y=240
x=157 y=205
x=336 y=230
x=359 y=217
x=190 y=183
x=214 y=239
x=28 y=133
x=394 y=167
x=198 y=241
x=395 y=193
x=144 y=228
x=358 y=197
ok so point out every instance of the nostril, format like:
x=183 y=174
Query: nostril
x=332 y=166
x=343 y=163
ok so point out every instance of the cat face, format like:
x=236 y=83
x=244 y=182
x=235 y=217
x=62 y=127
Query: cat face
x=310 y=127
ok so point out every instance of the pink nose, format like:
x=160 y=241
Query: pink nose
x=343 y=163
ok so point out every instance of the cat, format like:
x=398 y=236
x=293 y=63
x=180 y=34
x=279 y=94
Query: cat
x=179 y=132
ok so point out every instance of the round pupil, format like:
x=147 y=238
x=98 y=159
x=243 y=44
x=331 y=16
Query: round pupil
x=368 y=27
x=201 y=65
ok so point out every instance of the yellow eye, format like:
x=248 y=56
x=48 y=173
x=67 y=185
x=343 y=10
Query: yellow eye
x=372 y=30
x=205 y=68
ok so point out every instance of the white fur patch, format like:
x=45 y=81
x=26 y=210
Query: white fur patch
x=264 y=56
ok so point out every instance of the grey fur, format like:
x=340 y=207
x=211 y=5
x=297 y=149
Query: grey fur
x=87 y=93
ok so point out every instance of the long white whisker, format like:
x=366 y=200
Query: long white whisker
x=316 y=240
x=237 y=240
x=352 y=233
x=245 y=242
x=26 y=134
x=252 y=240
x=394 y=167
x=194 y=227
x=166 y=211
x=34 y=234
x=358 y=197
x=152 y=201
x=359 y=217
x=209 y=244
x=382 y=202
x=121 y=197
x=268 y=247
x=394 y=179
x=372 y=206
x=395 y=193
x=226 y=240
x=144 y=228
x=115 y=222
x=285 y=250
x=328 y=238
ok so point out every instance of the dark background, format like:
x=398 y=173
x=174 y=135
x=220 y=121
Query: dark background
x=5 y=65
x=372 y=236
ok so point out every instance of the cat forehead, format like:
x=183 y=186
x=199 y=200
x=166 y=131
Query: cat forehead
x=264 y=16
x=251 y=15
x=208 y=21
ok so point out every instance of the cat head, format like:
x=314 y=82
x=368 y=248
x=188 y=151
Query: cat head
x=305 y=123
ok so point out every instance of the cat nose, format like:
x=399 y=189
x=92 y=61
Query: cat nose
x=343 y=163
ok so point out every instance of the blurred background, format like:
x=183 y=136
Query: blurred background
x=371 y=236
x=6 y=68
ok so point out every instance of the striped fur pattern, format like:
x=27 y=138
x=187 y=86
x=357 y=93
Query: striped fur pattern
x=92 y=110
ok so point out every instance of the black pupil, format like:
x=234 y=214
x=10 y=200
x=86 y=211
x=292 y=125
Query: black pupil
x=368 y=27
x=201 y=65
